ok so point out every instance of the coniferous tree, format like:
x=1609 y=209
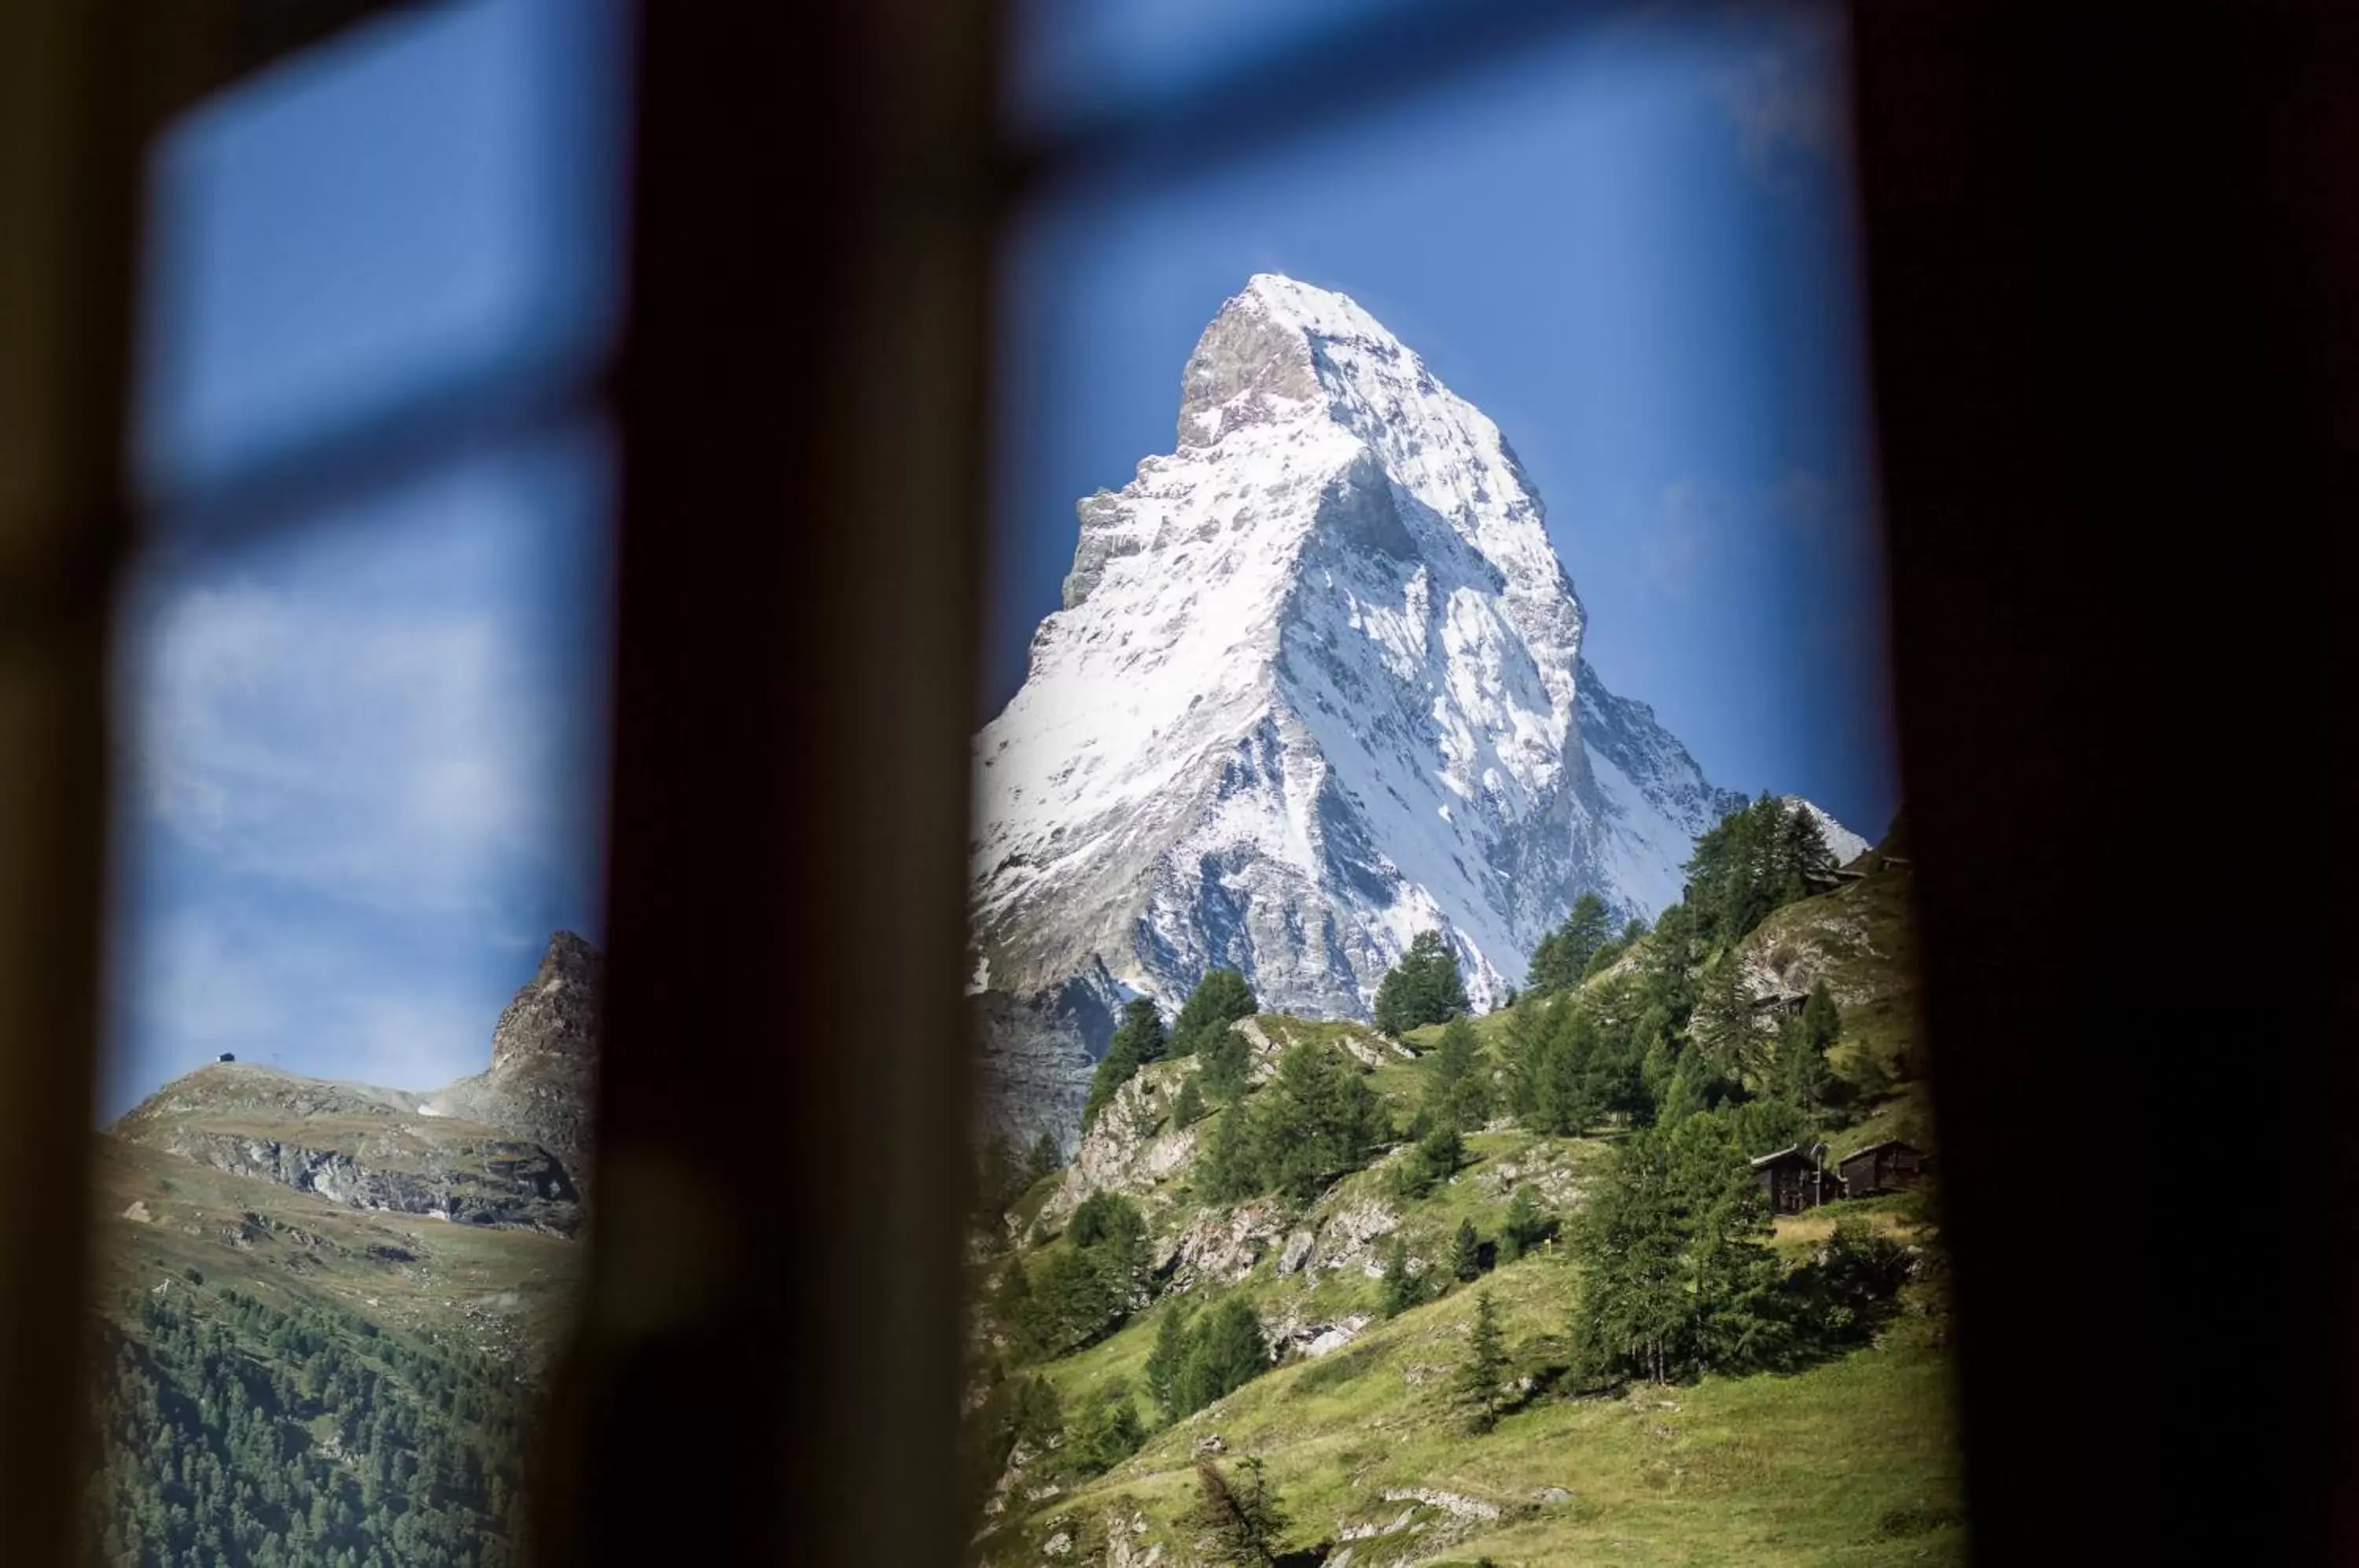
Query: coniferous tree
x=1481 y=1384
x=1047 y=1157
x=1677 y=1274
x=1036 y=1416
x=1107 y=1431
x=1014 y=1301
x=1466 y=1252
x=1726 y=1028
x=1631 y=1317
x=1457 y=1089
x=1562 y=956
x=1741 y=1318
x=1139 y=1040
x=1229 y=1349
x=1231 y=1166
x=1318 y=1121
x=1167 y=1364
x=1402 y=1289
x=1188 y=1108
x=1220 y=999
x=1804 y=861
x=1241 y=1521
x=1553 y=1077
x=1424 y=988
x=1227 y=1058
x=1525 y=1227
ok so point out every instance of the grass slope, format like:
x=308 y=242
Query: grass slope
x=1849 y=1461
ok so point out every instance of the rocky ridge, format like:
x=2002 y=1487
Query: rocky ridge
x=507 y=1148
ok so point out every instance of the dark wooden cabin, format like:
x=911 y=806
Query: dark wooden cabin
x=1794 y=1182
x=1891 y=1166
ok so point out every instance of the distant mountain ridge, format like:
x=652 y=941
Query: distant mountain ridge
x=1316 y=685
x=508 y=1147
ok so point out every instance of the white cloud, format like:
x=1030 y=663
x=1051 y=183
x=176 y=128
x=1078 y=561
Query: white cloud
x=391 y=756
x=364 y=768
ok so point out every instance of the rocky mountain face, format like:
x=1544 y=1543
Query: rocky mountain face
x=1317 y=686
x=542 y=1078
x=363 y=1148
x=507 y=1148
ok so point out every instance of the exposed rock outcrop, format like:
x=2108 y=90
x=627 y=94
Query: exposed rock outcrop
x=542 y=1081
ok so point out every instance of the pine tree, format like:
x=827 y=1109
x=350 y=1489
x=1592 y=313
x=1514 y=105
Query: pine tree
x=1553 y=1088
x=1525 y=1227
x=1231 y=1167
x=1481 y=1384
x=1457 y=1088
x=1229 y=1349
x=1741 y=1322
x=1107 y=1431
x=1139 y=1040
x=1402 y=1289
x=1220 y=999
x=1241 y=1521
x=1047 y=1157
x=1631 y=1317
x=1726 y=1028
x=1562 y=956
x=1804 y=862
x=1167 y=1364
x=1035 y=1414
x=1318 y=1121
x=1424 y=988
x=1466 y=1252
x=1188 y=1108
x=1227 y=1061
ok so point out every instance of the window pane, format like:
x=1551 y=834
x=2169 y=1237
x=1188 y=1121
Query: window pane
x=1440 y=913
x=1078 y=60
x=356 y=980
x=429 y=202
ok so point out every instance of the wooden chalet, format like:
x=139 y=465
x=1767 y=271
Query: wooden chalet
x=1891 y=1166
x=1794 y=1182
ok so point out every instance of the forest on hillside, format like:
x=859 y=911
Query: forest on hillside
x=234 y=1433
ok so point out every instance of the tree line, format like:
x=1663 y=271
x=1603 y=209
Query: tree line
x=236 y=1434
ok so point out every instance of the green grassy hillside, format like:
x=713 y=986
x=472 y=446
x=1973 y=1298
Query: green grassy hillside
x=1844 y=1455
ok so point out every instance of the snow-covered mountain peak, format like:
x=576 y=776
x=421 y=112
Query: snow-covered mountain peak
x=1316 y=686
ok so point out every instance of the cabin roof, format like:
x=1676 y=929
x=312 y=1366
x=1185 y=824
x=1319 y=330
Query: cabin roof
x=1793 y=1152
x=1875 y=1148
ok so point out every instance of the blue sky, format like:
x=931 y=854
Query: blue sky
x=364 y=757
x=1633 y=250
x=363 y=762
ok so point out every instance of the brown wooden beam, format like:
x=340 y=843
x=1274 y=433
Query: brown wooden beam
x=770 y=1368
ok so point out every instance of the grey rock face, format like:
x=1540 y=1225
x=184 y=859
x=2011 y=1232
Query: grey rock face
x=352 y=1144
x=1035 y=1054
x=488 y=1181
x=542 y=1080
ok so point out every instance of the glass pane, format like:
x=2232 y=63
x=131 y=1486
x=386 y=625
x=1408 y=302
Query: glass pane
x=342 y=1183
x=1442 y=938
x=427 y=203
x=1075 y=60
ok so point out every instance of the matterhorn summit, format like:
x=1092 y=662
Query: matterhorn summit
x=1317 y=686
